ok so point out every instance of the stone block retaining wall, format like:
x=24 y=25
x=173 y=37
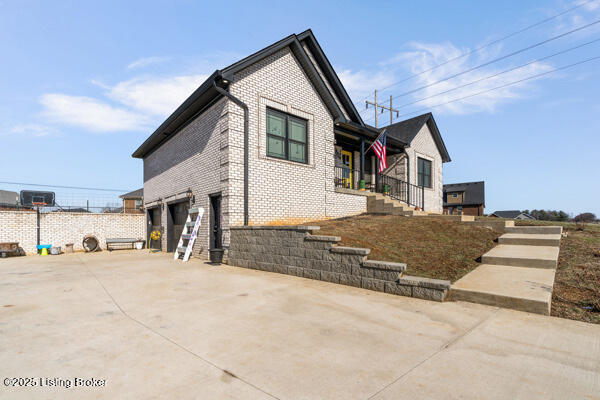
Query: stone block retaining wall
x=294 y=250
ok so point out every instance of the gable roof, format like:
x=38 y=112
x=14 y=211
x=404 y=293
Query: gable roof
x=206 y=95
x=405 y=131
x=507 y=214
x=474 y=193
x=136 y=194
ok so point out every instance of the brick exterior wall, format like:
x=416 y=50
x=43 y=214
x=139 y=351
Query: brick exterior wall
x=195 y=158
x=422 y=146
x=207 y=156
x=284 y=192
x=59 y=229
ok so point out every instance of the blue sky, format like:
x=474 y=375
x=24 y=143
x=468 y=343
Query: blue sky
x=84 y=83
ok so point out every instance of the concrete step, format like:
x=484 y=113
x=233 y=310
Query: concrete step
x=522 y=256
x=548 y=230
x=530 y=239
x=459 y=218
x=498 y=225
x=517 y=288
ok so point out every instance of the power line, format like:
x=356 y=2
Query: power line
x=500 y=73
x=501 y=58
x=487 y=45
x=503 y=86
x=64 y=187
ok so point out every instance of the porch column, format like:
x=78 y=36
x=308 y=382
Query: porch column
x=362 y=158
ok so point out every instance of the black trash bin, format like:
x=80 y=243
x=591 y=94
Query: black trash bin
x=216 y=256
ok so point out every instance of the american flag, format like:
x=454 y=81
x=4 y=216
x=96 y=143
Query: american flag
x=380 y=151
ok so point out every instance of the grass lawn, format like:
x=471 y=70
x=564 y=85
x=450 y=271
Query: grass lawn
x=431 y=248
x=576 y=293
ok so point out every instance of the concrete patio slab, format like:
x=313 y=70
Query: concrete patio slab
x=522 y=256
x=530 y=239
x=153 y=327
x=517 y=288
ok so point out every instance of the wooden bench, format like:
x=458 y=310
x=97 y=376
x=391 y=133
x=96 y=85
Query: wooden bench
x=119 y=242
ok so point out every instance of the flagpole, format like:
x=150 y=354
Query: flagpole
x=381 y=134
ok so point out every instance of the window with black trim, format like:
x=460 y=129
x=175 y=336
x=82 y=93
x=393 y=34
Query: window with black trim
x=287 y=136
x=423 y=172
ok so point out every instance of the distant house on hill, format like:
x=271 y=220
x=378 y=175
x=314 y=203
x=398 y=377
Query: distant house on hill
x=466 y=198
x=511 y=214
x=132 y=201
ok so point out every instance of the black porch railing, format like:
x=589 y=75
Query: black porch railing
x=347 y=178
x=397 y=189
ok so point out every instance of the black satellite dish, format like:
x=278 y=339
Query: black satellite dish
x=37 y=198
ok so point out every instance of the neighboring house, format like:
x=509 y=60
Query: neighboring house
x=9 y=199
x=275 y=139
x=512 y=214
x=466 y=198
x=132 y=201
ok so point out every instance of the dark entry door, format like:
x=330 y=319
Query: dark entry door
x=178 y=213
x=154 y=225
x=215 y=222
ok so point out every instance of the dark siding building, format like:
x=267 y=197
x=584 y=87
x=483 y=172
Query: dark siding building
x=466 y=198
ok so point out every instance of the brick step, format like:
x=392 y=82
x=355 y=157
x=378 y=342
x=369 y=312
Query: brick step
x=530 y=239
x=522 y=256
x=517 y=288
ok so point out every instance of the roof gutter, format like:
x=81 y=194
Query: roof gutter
x=244 y=107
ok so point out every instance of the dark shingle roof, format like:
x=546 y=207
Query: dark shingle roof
x=136 y=194
x=474 y=193
x=507 y=214
x=405 y=132
x=206 y=94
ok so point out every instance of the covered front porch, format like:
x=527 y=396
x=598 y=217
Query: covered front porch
x=356 y=166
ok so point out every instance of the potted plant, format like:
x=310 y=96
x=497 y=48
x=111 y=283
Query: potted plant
x=386 y=189
x=216 y=255
x=361 y=184
x=139 y=244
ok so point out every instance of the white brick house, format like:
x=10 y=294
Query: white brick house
x=272 y=139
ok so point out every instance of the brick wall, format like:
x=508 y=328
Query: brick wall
x=283 y=192
x=195 y=158
x=59 y=229
x=424 y=146
x=207 y=156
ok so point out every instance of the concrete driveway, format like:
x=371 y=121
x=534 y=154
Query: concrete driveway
x=151 y=327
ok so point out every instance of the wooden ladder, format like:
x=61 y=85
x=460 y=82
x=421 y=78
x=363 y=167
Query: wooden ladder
x=187 y=239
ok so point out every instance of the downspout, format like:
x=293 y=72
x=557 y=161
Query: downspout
x=407 y=174
x=246 y=135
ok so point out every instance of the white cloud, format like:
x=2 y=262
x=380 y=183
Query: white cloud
x=33 y=129
x=146 y=61
x=362 y=83
x=92 y=114
x=133 y=105
x=427 y=56
x=155 y=96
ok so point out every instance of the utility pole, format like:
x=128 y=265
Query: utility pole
x=382 y=108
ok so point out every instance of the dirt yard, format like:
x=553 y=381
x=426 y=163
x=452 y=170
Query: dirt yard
x=576 y=292
x=432 y=248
